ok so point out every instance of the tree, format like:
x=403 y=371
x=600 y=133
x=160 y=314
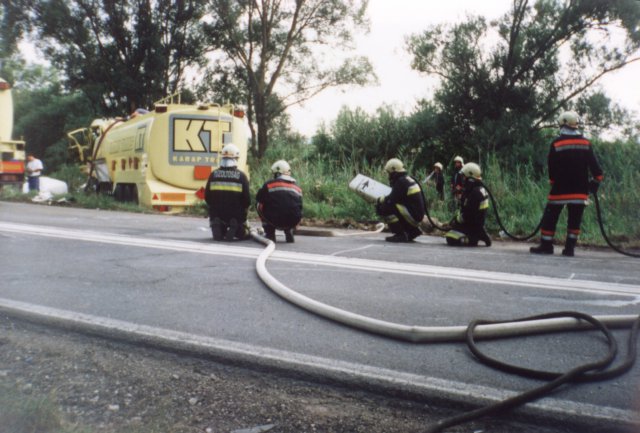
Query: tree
x=121 y=54
x=499 y=97
x=44 y=111
x=274 y=49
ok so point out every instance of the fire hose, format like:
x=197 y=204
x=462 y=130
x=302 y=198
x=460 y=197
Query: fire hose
x=552 y=322
x=494 y=205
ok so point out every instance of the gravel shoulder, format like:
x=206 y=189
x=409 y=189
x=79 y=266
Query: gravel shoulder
x=98 y=385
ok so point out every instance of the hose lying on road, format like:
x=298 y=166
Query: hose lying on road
x=590 y=372
x=413 y=333
x=332 y=233
x=479 y=329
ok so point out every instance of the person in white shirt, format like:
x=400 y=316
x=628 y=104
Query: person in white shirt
x=34 y=170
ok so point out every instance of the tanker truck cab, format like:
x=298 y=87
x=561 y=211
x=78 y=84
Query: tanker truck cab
x=12 y=152
x=162 y=158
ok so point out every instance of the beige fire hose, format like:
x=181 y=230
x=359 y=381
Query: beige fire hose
x=421 y=334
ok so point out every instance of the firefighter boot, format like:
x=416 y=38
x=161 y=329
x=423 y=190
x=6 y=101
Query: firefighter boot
x=569 y=247
x=288 y=235
x=484 y=237
x=398 y=237
x=545 y=247
x=216 y=229
x=232 y=230
x=270 y=233
x=413 y=233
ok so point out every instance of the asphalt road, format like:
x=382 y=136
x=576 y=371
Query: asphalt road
x=162 y=273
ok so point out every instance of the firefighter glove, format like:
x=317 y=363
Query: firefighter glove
x=593 y=186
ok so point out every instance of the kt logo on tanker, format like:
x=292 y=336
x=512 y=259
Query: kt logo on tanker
x=196 y=140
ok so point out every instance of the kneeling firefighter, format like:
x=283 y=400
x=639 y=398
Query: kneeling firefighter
x=403 y=208
x=467 y=228
x=227 y=195
x=280 y=202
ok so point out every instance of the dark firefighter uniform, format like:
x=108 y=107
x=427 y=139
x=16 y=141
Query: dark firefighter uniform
x=467 y=228
x=403 y=208
x=570 y=160
x=227 y=195
x=280 y=205
x=456 y=184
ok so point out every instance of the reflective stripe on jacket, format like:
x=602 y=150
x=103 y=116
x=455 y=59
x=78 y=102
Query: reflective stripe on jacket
x=280 y=202
x=227 y=194
x=571 y=159
x=405 y=192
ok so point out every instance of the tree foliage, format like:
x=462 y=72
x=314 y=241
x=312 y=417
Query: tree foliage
x=121 y=54
x=274 y=50
x=357 y=138
x=499 y=96
x=44 y=111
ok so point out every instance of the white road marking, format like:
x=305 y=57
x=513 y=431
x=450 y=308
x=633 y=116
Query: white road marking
x=486 y=277
x=351 y=250
x=341 y=371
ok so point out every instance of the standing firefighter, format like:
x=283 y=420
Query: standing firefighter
x=457 y=182
x=280 y=202
x=403 y=208
x=467 y=228
x=437 y=178
x=227 y=195
x=570 y=160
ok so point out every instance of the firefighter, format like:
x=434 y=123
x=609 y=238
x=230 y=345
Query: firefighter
x=403 y=208
x=437 y=178
x=467 y=227
x=280 y=202
x=227 y=195
x=457 y=183
x=570 y=160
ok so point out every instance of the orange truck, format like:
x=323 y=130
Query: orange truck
x=162 y=158
x=12 y=152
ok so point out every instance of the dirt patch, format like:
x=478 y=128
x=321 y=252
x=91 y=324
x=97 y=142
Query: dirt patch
x=105 y=386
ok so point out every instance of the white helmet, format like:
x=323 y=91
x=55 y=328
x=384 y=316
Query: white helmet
x=458 y=159
x=281 y=167
x=437 y=164
x=570 y=119
x=394 y=165
x=471 y=169
x=230 y=151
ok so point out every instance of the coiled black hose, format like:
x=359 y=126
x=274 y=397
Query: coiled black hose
x=589 y=372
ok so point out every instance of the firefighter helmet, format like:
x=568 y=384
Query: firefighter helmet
x=570 y=119
x=281 y=167
x=394 y=165
x=438 y=165
x=458 y=159
x=230 y=151
x=471 y=170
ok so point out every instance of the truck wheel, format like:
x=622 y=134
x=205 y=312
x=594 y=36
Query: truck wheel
x=134 y=194
x=128 y=192
x=118 y=192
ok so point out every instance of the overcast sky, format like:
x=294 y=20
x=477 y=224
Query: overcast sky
x=400 y=86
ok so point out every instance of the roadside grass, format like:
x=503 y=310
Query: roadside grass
x=20 y=413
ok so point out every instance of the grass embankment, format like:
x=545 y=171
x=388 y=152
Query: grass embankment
x=519 y=192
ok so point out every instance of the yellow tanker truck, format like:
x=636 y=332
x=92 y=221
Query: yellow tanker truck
x=162 y=158
x=12 y=154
